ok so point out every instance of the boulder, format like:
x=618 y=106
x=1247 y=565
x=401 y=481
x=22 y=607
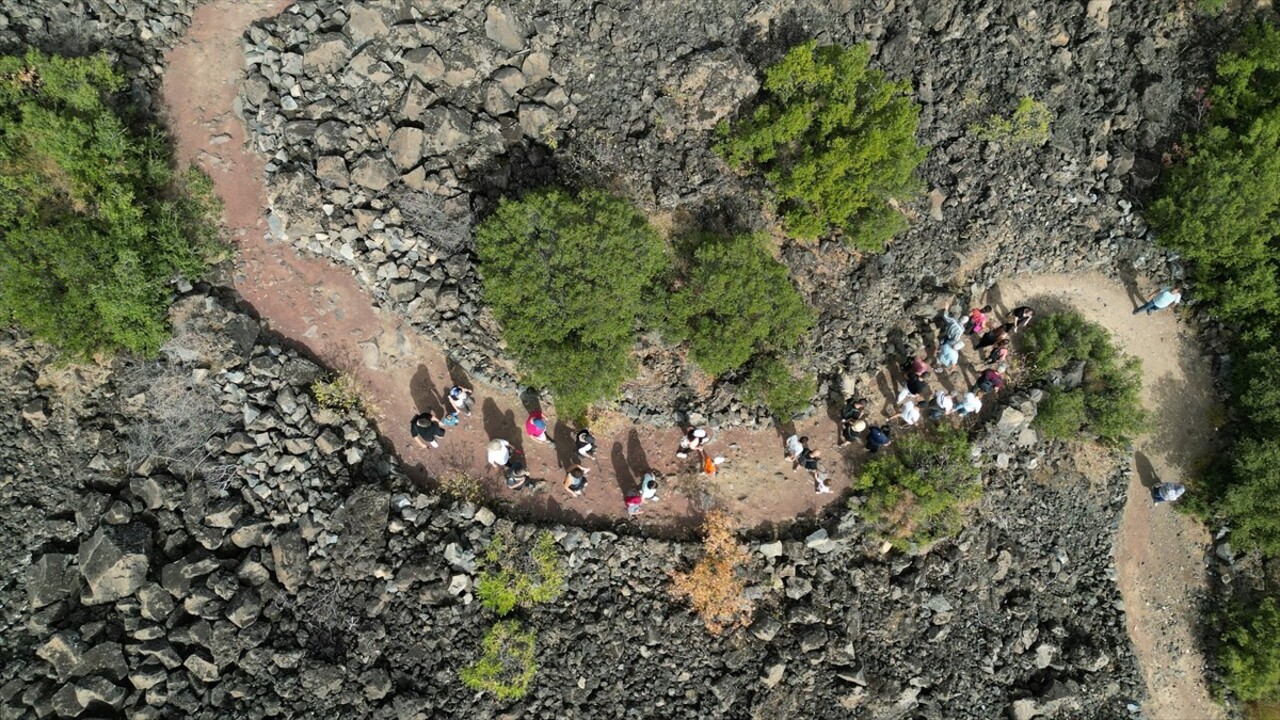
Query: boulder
x=364 y=23
x=332 y=169
x=290 y=556
x=446 y=129
x=713 y=85
x=63 y=652
x=114 y=562
x=374 y=173
x=203 y=670
x=155 y=603
x=50 y=579
x=330 y=52
x=773 y=674
x=405 y=147
x=105 y=660
x=1011 y=422
x=501 y=27
x=771 y=549
x=536 y=121
x=423 y=63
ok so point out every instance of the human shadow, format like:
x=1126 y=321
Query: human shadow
x=501 y=424
x=457 y=375
x=426 y=396
x=622 y=473
x=565 y=446
x=637 y=458
x=1146 y=473
x=1129 y=278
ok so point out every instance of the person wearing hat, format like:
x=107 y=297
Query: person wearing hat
x=694 y=438
x=536 y=426
x=499 y=452
x=850 y=431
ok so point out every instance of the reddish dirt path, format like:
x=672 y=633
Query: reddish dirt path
x=319 y=306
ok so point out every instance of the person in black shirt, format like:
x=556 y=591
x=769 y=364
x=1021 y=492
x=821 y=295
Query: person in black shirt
x=426 y=429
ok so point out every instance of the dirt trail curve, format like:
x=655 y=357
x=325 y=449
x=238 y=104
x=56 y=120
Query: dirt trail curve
x=318 y=305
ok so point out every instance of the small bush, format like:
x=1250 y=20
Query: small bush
x=508 y=665
x=835 y=139
x=514 y=577
x=1029 y=125
x=567 y=278
x=1062 y=414
x=715 y=587
x=341 y=393
x=918 y=494
x=1256 y=378
x=94 y=224
x=736 y=301
x=1111 y=385
x=1251 y=651
x=772 y=384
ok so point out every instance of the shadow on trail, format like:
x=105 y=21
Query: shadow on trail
x=500 y=424
x=426 y=396
x=1146 y=473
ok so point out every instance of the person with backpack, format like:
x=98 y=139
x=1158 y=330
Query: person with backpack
x=952 y=330
x=499 y=452
x=942 y=405
x=517 y=473
x=993 y=336
x=796 y=446
x=586 y=443
x=850 y=431
x=999 y=353
x=810 y=460
x=978 y=319
x=990 y=381
x=575 y=480
x=460 y=400
x=916 y=387
x=426 y=429
x=879 y=437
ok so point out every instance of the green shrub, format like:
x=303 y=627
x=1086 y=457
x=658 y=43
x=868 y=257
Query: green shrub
x=93 y=222
x=340 y=393
x=1062 y=414
x=1029 y=125
x=918 y=494
x=1251 y=651
x=1110 y=393
x=567 y=277
x=835 y=139
x=1256 y=378
x=507 y=666
x=736 y=300
x=772 y=384
x=1211 y=7
x=516 y=577
x=1253 y=498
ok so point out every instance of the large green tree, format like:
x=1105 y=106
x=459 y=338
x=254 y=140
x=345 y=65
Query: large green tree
x=93 y=222
x=568 y=277
x=836 y=140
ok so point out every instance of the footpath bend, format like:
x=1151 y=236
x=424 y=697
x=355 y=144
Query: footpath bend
x=1160 y=554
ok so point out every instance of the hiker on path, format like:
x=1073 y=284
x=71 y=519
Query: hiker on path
x=953 y=331
x=916 y=366
x=978 y=319
x=910 y=413
x=426 y=429
x=499 y=452
x=796 y=446
x=1161 y=300
x=536 y=426
x=633 y=503
x=942 y=405
x=460 y=400
x=851 y=416
x=810 y=460
x=586 y=443
x=971 y=404
x=999 y=353
x=517 y=473
x=850 y=431
x=1020 y=318
x=994 y=336
x=1167 y=492
x=694 y=438
x=990 y=381
x=878 y=437
x=649 y=486
x=916 y=387
x=949 y=356
x=575 y=480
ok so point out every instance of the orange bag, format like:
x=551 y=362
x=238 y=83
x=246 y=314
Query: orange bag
x=708 y=465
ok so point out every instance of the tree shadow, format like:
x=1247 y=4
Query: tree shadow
x=501 y=424
x=1182 y=420
x=426 y=396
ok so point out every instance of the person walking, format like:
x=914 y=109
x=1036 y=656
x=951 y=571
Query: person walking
x=1161 y=300
x=942 y=405
x=427 y=429
x=575 y=480
x=460 y=400
x=517 y=473
x=694 y=438
x=796 y=446
x=810 y=460
x=499 y=452
x=916 y=387
x=978 y=319
x=916 y=366
x=536 y=426
x=850 y=431
x=949 y=356
x=649 y=486
x=633 y=503
x=1167 y=492
x=990 y=381
x=1021 y=317
x=879 y=437
x=586 y=443
x=993 y=336
x=999 y=353
x=971 y=404
x=910 y=413
x=952 y=330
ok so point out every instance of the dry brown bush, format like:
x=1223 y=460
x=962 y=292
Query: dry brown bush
x=715 y=587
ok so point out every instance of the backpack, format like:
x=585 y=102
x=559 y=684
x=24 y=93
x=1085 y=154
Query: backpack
x=708 y=465
x=450 y=420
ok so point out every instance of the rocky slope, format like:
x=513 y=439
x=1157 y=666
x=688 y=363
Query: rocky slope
x=391 y=123
x=288 y=570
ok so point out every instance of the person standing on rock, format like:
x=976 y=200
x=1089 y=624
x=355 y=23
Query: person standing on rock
x=694 y=438
x=575 y=481
x=1161 y=300
x=427 y=429
x=460 y=400
x=1020 y=318
x=879 y=437
x=536 y=426
x=499 y=452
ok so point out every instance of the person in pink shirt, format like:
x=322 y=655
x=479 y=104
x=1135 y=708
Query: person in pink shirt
x=978 y=319
x=536 y=426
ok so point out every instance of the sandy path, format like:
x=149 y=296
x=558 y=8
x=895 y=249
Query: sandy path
x=1160 y=554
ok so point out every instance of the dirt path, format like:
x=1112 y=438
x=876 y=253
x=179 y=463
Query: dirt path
x=311 y=301
x=1160 y=554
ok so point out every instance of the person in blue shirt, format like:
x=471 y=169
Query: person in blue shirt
x=1161 y=300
